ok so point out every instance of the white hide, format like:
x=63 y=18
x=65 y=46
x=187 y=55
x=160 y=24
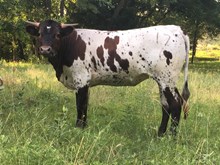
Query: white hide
x=145 y=43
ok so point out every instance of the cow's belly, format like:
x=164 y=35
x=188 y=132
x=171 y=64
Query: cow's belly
x=112 y=80
x=68 y=82
x=118 y=80
x=75 y=79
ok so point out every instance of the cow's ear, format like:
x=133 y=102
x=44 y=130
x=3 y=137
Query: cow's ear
x=32 y=30
x=66 y=30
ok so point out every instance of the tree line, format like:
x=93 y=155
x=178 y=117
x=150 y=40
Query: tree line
x=196 y=17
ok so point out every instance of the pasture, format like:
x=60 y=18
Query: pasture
x=37 y=118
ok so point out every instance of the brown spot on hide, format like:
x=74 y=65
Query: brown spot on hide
x=111 y=45
x=73 y=47
x=168 y=55
x=100 y=53
x=81 y=46
x=94 y=62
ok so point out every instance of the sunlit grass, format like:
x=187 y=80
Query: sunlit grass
x=208 y=50
x=209 y=54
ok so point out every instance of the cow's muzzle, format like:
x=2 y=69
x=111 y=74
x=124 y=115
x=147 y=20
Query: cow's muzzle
x=46 y=51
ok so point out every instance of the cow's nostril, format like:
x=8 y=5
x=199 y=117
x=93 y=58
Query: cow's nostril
x=49 y=49
x=45 y=49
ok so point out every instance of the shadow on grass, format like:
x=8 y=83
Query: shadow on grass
x=202 y=59
x=205 y=65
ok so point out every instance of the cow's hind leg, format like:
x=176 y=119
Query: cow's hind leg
x=175 y=108
x=165 y=113
x=174 y=105
x=82 y=104
x=171 y=104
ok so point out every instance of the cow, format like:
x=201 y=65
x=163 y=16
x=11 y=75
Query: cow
x=83 y=58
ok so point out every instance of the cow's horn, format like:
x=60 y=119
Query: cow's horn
x=65 y=25
x=33 y=23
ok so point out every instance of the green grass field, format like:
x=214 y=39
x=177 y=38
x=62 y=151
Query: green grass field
x=37 y=117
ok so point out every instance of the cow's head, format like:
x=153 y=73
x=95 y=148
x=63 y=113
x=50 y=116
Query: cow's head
x=48 y=35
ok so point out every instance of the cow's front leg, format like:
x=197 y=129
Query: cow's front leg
x=82 y=104
x=164 y=122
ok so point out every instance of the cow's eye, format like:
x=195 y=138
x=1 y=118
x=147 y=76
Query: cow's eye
x=57 y=36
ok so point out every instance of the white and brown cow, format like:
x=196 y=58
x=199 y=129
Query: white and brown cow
x=83 y=58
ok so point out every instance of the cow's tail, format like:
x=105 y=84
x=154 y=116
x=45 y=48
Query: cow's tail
x=185 y=92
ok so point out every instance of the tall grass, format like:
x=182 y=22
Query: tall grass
x=37 y=117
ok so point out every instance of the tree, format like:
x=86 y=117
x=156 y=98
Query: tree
x=62 y=3
x=197 y=17
x=11 y=27
x=202 y=17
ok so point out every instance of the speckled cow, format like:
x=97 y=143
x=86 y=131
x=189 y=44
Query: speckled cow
x=83 y=58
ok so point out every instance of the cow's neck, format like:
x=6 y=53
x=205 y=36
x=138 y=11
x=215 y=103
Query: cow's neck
x=65 y=55
x=57 y=65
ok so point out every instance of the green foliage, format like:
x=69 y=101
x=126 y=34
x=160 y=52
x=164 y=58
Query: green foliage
x=205 y=13
x=197 y=17
x=37 y=116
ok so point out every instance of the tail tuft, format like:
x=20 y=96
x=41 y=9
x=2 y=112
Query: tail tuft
x=185 y=96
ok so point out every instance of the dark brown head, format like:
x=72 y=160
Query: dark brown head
x=48 y=35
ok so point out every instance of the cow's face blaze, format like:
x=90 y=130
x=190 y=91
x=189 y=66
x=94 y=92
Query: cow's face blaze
x=48 y=36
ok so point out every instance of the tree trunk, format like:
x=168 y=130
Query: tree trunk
x=120 y=6
x=113 y=21
x=13 y=43
x=20 y=50
x=62 y=8
x=48 y=7
x=195 y=39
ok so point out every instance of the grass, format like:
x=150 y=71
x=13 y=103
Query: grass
x=37 y=117
x=208 y=49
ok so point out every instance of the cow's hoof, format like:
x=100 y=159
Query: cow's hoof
x=160 y=134
x=81 y=124
x=173 y=131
